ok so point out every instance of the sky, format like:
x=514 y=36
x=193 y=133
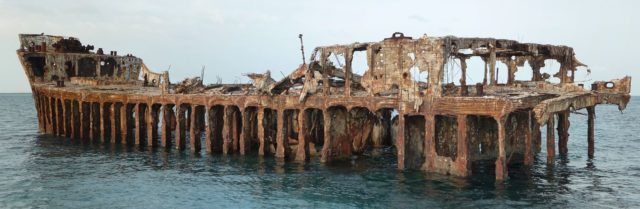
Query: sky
x=235 y=37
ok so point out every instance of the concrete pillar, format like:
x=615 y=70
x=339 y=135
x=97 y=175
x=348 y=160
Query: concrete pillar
x=47 y=110
x=65 y=129
x=528 y=141
x=492 y=65
x=303 y=145
x=281 y=134
x=165 y=127
x=112 y=115
x=72 y=119
x=151 y=142
x=124 y=129
x=551 y=146
x=563 y=131
x=429 y=142
x=138 y=132
x=501 y=162
x=261 y=131
x=180 y=126
x=208 y=136
x=243 y=133
x=194 y=137
x=234 y=131
x=348 y=58
x=591 y=111
x=326 y=151
x=82 y=122
x=400 y=145
x=225 y=130
x=102 y=125
x=462 y=162
x=91 y=121
x=463 y=80
x=536 y=135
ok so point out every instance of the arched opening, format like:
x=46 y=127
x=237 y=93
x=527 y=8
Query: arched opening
x=314 y=130
x=381 y=135
x=339 y=142
x=290 y=131
x=252 y=142
x=270 y=125
x=414 y=132
x=360 y=125
x=446 y=136
x=482 y=135
x=215 y=121
x=233 y=118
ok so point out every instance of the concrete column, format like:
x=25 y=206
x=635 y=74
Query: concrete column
x=551 y=146
x=536 y=134
x=261 y=131
x=65 y=131
x=102 y=128
x=225 y=131
x=463 y=80
x=429 y=142
x=112 y=115
x=150 y=126
x=303 y=145
x=243 y=133
x=563 y=131
x=48 y=118
x=591 y=111
x=234 y=131
x=400 y=140
x=91 y=121
x=165 y=129
x=180 y=135
x=281 y=135
x=326 y=151
x=462 y=162
x=138 y=132
x=209 y=138
x=82 y=122
x=124 y=129
x=528 y=141
x=348 y=58
x=75 y=118
x=492 y=65
x=194 y=137
x=72 y=119
x=501 y=162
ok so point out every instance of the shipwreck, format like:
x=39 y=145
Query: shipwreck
x=402 y=95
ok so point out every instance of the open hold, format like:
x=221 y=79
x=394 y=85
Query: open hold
x=414 y=141
x=482 y=132
x=314 y=130
x=446 y=136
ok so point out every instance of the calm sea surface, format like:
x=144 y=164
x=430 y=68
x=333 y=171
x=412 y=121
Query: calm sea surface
x=40 y=171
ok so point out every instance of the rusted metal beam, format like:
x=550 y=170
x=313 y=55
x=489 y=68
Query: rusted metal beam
x=501 y=162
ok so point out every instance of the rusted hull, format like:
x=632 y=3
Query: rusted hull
x=433 y=127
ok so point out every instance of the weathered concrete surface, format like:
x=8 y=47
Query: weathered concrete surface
x=406 y=97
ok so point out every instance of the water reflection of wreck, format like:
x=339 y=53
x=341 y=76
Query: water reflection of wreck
x=403 y=99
